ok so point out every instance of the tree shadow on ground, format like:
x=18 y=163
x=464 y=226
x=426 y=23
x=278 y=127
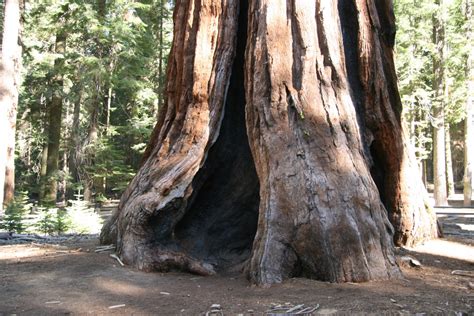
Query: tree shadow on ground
x=87 y=282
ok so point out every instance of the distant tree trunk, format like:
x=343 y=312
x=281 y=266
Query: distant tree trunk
x=43 y=169
x=88 y=177
x=161 y=71
x=75 y=148
x=272 y=144
x=89 y=148
x=9 y=89
x=55 y=108
x=449 y=162
x=67 y=132
x=439 y=143
x=469 y=122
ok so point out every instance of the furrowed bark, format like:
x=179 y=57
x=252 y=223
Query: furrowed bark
x=157 y=198
x=299 y=99
x=276 y=136
x=393 y=163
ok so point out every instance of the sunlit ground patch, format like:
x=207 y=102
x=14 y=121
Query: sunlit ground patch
x=21 y=251
x=449 y=249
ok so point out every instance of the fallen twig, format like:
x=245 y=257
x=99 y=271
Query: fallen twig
x=307 y=310
x=112 y=255
x=463 y=273
x=105 y=248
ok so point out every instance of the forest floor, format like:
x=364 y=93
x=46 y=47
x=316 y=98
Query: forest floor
x=71 y=278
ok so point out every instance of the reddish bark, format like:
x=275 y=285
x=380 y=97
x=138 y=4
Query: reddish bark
x=276 y=151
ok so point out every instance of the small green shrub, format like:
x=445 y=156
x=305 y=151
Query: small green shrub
x=14 y=220
x=53 y=221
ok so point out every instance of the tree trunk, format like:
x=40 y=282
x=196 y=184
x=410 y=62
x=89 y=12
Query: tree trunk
x=9 y=89
x=161 y=90
x=439 y=148
x=55 y=108
x=43 y=169
x=75 y=149
x=269 y=145
x=89 y=147
x=449 y=162
x=469 y=121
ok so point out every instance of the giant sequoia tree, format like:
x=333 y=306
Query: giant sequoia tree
x=279 y=148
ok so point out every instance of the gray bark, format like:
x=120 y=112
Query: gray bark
x=9 y=89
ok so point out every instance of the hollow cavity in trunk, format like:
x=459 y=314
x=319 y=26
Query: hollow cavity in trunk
x=221 y=220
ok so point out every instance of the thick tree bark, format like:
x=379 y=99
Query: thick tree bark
x=439 y=142
x=55 y=109
x=269 y=145
x=9 y=89
x=469 y=122
x=394 y=166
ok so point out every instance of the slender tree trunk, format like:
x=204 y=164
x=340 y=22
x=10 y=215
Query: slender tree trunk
x=469 y=121
x=43 y=169
x=449 y=162
x=160 y=55
x=281 y=129
x=75 y=149
x=9 y=89
x=55 y=108
x=89 y=147
x=67 y=132
x=439 y=143
x=88 y=179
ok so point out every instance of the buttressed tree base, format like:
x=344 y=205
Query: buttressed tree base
x=280 y=150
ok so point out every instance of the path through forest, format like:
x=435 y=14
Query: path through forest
x=71 y=278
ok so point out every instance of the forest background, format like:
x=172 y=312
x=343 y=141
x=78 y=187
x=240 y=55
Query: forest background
x=93 y=80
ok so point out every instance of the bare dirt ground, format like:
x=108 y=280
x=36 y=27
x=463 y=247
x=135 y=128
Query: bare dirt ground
x=72 y=279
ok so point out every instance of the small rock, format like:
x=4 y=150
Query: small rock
x=215 y=306
x=412 y=262
x=164 y=293
x=327 y=311
x=471 y=285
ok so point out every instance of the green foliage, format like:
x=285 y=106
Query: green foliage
x=113 y=72
x=415 y=54
x=15 y=215
x=47 y=221
x=78 y=218
x=21 y=216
